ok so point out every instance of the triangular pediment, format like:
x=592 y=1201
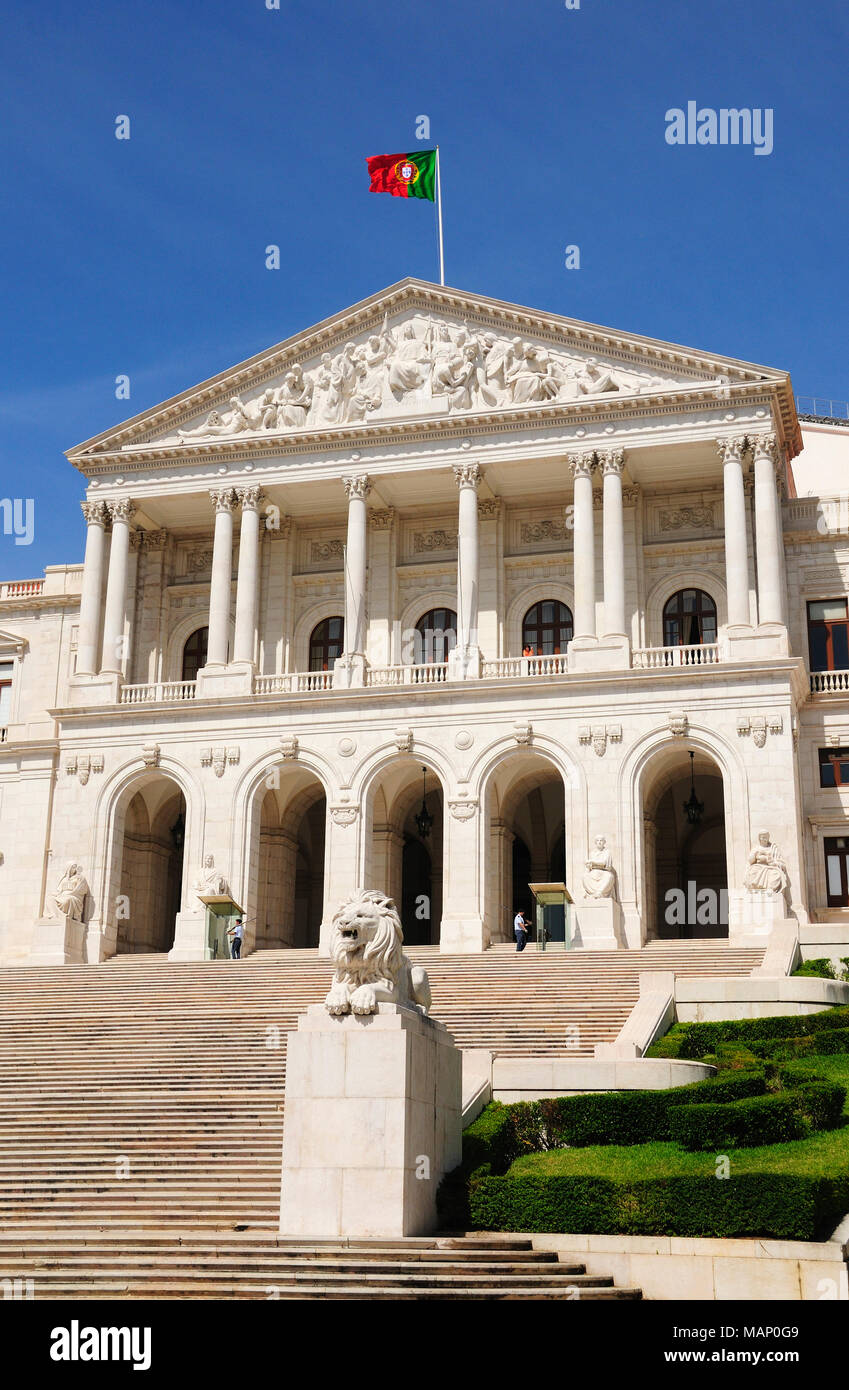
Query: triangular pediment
x=420 y=351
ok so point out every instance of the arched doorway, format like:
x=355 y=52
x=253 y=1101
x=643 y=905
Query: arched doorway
x=286 y=900
x=526 y=816
x=327 y=641
x=689 y=619
x=151 y=867
x=546 y=629
x=405 y=849
x=435 y=636
x=194 y=654
x=686 y=874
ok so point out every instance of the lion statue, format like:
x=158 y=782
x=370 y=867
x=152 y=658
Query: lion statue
x=371 y=968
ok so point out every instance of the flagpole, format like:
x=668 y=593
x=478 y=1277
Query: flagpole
x=439 y=212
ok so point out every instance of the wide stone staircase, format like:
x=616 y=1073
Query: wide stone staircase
x=142 y=1109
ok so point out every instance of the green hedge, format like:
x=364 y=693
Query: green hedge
x=693 y=1041
x=753 y=1204
x=762 y=1120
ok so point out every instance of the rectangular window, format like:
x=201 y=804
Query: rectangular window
x=837 y=877
x=6 y=668
x=834 y=767
x=828 y=634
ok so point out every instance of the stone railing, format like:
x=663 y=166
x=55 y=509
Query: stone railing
x=157 y=693
x=21 y=588
x=507 y=666
x=293 y=683
x=655 y=658
x=432 y=673
x=830 y=682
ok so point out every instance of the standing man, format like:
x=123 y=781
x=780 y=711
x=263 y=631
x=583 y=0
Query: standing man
x=236 y=933
x=520 y=931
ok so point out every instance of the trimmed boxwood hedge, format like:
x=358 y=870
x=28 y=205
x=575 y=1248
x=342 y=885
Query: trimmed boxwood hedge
x=693 y=1041
x=782 y=1207
x=762 y=1120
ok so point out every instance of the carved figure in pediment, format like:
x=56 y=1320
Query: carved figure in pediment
x=595 y=379
x=234 y=421
x=408 y=367
x=528 y=377
x=294 y=399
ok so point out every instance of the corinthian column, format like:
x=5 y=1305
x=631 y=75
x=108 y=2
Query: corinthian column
x=92 y=593
x=584 y=546
x=736 y=557
x=247 y=579
x=350 y=668
x=121 y=512
x=465 y=661
x=223 y=500
x=612 y=463
x=768 y=538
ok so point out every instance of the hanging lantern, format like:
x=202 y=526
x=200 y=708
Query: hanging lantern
x=178 y=832
x=693 y=808
x=424 y=820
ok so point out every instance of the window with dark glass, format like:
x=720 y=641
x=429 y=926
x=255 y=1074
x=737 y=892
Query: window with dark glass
x=828 y=635
x=194 y=653
x=5 y=692
x=436 y=636
x=547 y=628
x=326 y=643
x=836 y=870
x=834 y=767
x=689 y=619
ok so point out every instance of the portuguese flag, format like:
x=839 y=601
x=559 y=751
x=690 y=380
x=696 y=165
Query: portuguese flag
x=403 y=175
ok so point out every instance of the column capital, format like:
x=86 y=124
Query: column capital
x=94 y=513
x=582 y=465
x=223 y=499
x=732 y=450
x=612 y=461
x=467 y=474
x=382 y=519
x=490 y=508
x=121 y=509
x=358 y=485
x=249 y=497
x=764 y=446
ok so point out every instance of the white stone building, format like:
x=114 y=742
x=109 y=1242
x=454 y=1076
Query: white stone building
x=256 y=661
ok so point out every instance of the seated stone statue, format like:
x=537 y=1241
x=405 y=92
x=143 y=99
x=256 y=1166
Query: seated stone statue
x=70 y=895
x=210 y=883
x=600 y=879
x=767 y=872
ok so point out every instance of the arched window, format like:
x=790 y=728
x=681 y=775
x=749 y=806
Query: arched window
x=194 y=654
x=689 y=619
x=326 y=643
x=547 y=628
x=436 y=636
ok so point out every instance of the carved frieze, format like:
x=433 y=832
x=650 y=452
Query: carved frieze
x=432 y=542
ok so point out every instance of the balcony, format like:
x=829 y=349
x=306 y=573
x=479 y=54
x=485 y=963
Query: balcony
x=406 y=676
x=655 y=658
x=830 y=682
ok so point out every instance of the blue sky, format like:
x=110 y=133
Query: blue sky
x=249 y=126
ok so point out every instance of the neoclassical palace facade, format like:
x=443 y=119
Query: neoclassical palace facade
x=429 y=598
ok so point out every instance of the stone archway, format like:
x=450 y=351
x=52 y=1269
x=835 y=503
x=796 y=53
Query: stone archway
x=401 y=860
x=685 y=861
x=526 y=835
x=152 y=837
x=285 y=892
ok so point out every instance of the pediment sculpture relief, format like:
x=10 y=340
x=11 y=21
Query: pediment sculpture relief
x=426 y=365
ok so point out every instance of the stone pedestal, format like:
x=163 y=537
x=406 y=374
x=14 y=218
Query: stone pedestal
x=465 y=664
x=372 y=1123
x=605 y=654
x=94 y=690
x=189 y=935
x=601 y=925
x=753 y=916
x=217 y=682
x=349 y=671
x=58 y=941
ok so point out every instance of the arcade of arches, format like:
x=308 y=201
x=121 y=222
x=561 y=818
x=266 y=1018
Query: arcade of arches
x=406 y=846
x=527 y=836
x=286 y=905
